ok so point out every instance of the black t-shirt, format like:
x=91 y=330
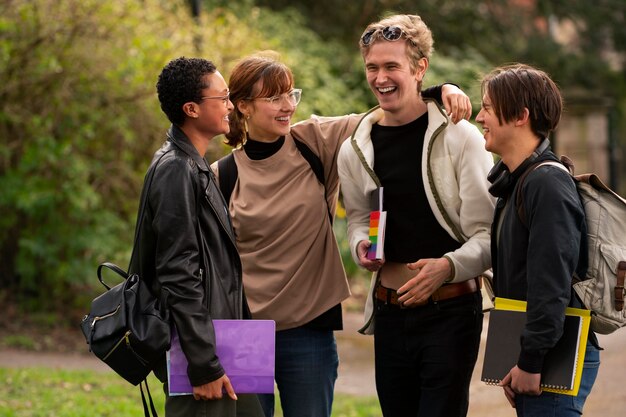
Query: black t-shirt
x=412 y=231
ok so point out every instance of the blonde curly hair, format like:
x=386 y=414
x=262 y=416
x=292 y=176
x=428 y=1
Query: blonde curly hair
x=419 y=37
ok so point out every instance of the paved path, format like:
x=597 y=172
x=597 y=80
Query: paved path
x=356 y=373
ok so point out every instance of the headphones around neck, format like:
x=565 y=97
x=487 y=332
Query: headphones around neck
x=500 y=177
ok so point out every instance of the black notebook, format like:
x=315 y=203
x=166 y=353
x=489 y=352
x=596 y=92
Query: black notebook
x=503 y=348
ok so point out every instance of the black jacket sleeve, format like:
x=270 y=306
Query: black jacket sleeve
x=555 y=219
x=434 y=93
x=173 y=202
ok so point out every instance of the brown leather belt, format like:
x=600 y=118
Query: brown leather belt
x=389 y=296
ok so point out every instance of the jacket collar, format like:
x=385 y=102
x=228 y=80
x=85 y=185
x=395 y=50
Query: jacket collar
x=361 y=134
x=361 y=137
x=436 y=114
x=176 y=136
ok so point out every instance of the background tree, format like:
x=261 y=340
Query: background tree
x=79 y=117
x=79 y=123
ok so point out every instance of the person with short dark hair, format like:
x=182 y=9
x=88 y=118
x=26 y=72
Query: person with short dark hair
x=534 y=259
x=186 y=247
x=424 y=305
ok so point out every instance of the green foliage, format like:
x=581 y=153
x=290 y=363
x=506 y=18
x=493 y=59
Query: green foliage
x=80 y=121
x=20 y=342
x=324 y=69
x=79 y=124
x=500 y=30
x=41 y=392
x=318 y=68
x=340 y=227
x=462 y=68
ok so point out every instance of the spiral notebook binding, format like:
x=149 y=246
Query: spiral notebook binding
x=493 y=381
x=555 y=387
x=490 y=381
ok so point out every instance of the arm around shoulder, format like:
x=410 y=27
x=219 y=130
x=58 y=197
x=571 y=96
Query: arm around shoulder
x=476 y=204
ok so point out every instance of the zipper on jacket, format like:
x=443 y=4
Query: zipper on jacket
x=433 y=188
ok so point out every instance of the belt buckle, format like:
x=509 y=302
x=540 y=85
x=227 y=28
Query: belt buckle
x=398 y=303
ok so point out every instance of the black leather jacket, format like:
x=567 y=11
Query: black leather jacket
x=197 y=281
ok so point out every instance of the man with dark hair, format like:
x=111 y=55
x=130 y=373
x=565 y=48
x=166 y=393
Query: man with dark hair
x=186 y=248
x=534 y=259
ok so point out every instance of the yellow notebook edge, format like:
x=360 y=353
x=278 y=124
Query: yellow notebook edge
x=517 y=305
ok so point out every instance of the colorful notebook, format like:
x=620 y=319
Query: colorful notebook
x=246 y=350
x=378 y=221
x=563 y=364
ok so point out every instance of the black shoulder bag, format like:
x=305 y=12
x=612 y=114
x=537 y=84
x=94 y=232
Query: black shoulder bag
x=127 y=327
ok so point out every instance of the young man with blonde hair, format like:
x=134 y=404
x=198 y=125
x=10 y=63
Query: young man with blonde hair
x=425 y=297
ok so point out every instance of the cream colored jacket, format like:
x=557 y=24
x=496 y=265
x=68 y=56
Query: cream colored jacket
x=455 y=165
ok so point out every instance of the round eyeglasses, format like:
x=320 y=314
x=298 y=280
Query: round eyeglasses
x=390 y=33
x=223 y=98
x=292 y=98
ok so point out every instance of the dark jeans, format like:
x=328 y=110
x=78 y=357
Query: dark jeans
x=550 y=404
x=425 y=356
x=306 y=371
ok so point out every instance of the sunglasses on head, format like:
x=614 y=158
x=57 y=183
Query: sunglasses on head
x=390 y=33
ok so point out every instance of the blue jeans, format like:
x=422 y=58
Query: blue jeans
x=306 y=371
x=425 y=356
x=550 y=404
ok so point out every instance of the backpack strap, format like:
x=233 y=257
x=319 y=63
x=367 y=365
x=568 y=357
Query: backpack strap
x=318 y=169
x=228 y=172
x=313 y=160
x=228 y=175
x=146 y=410
x=519 y=195
x=619 y=287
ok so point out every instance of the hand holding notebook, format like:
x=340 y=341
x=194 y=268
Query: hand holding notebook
x=246 y=349
x=563 y=363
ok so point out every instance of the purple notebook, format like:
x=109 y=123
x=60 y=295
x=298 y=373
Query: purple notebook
x=246 y=350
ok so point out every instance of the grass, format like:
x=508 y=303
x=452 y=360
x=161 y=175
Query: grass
x=43 y=392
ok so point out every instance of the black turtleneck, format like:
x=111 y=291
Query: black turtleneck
x=256 y=150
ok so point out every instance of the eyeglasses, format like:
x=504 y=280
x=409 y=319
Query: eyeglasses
x=223 y=98
x=293 y=98
x=390 y=33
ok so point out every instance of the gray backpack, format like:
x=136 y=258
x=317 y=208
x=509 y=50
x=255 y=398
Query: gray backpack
x=602 y=290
